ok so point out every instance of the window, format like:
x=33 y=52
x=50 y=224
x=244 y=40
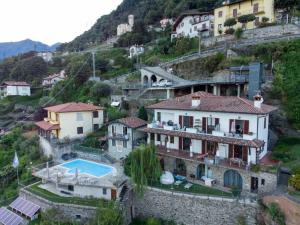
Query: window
x=255 y=8
x=113 y=142
x=95 y=114
x=190 y=30
x=96 y=127
x=219 y=26
x=263 y=182
x=265 y=123
x=158 y=137
x=125 y=130
x=220 y=13
x=79 y=116
x=124 y=144
x=70 y=188
x=172 y=139
x=256 y=22
x=203 y=26
x=159 y=116
x=78 y=217
x=234 y=12
x=79 y=130
x=113 y=130
x=104 y=191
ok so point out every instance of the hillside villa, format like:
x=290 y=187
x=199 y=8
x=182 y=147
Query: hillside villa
x=70 y=120
x=235 y=9
x=15 y=88
x=126 y=27
x=51 y=80
x=192 y=23
x=217 y=139
x=124 y=136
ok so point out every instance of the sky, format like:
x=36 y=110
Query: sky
x=50 y=21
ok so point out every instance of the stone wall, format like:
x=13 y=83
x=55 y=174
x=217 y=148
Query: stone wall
x=193 y=210
x=70 y=211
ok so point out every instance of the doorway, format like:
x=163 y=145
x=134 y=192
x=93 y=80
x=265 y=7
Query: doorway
x=254 y=184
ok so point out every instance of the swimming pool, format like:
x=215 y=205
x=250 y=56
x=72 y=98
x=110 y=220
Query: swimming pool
x=88 y=167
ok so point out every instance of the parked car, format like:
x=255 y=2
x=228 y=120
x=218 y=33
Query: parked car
x=165 y=83
x=155 y=84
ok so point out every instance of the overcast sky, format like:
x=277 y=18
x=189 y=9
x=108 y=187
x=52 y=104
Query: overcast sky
x=50 y=21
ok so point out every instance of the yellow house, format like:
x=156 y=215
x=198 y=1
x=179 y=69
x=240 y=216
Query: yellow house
x=235 y=9
x=70 y=120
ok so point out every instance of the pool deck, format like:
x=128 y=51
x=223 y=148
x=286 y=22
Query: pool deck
x=59 y=174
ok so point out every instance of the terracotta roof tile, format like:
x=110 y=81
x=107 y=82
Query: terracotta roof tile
x=73 y=107
x=132 y=122
x=213 y=103
x=47 y=126
x=15 y=83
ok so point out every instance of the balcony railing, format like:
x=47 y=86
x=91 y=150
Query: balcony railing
x=115 y=136
x=213 y=130
x=55 y=122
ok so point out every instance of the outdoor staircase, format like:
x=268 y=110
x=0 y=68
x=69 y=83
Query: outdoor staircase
x=123 y=192
x=109 y=158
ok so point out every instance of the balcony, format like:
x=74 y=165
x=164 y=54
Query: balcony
x=120 y=137
x=246 y=12
x=54 y=122
x=211 y=130
x=233 y=163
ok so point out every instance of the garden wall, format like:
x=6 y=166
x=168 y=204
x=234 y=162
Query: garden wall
x=193 y=210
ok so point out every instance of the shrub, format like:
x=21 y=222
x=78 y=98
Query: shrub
x=246 y=18
x=241 y=220
x=229 y=31
x=276 y=213
x=265 y=19
x=153 y=221
x=230 y=22
x=142 y=114
x=238 y=33
x=294 y=181
x=236 y=191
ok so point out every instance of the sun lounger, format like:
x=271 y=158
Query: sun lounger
x=188 y=185
x=178 y=182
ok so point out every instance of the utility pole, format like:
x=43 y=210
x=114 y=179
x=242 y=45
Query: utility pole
x=199 y=35
x=94 y=67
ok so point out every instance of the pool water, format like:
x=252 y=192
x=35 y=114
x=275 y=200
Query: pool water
x=87 y=167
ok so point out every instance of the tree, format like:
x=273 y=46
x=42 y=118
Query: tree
x=142 y=114
x=100 y=90
x=244 y=19
x=230 y=22
x=144 y=167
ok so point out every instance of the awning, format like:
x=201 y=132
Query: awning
x=24 y=207
x=47 y=126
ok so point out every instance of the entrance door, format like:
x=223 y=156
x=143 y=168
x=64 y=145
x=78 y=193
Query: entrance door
x=233 y=179
x=254 y=184
x=200 y=171
x=113 y=194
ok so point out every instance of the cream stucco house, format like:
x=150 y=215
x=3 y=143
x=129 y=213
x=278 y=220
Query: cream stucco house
x=70 y=120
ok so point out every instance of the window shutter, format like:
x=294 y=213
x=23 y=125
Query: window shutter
x=180 y=121
x=204 y=123
x=191 y=121
x=246 y=126
x=230 y=154
x=245 y=154
x=180 y=143
x=203 y=146
x=230 y=124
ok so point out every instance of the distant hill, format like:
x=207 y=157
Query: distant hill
x=8 y=49
x=147 y=11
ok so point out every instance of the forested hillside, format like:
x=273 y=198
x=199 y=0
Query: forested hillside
x=145 y=11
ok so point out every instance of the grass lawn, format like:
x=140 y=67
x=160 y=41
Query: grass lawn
x=287 y=150
x=195 y=189
x=58 y=199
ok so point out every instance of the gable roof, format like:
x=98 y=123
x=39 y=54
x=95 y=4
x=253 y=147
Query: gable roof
x=15 y=83
x=187 y=13
x=73 y=107
x=132 y=122
x=213 y=103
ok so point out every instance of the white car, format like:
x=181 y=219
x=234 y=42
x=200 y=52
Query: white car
x=165 y=83
x=155 y=84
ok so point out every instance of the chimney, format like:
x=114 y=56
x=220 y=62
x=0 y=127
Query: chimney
x=196 y=100
x=258 y=100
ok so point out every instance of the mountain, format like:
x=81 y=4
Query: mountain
x=8 y=49
x=146 y=11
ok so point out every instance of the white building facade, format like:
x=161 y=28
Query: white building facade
x=125 y=27
x=214 y=132
x=136 y=50
x=190 y=24
x=124 y=136
x=51 y=80
x=13 y=88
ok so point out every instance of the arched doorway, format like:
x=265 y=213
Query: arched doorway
x=200 y=171
x=145 y=81
x=233 y=179
x=180 y=167
x=153 y=79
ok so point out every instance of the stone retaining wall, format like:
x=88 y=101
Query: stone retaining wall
x=70 y=211
x=193 y=210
